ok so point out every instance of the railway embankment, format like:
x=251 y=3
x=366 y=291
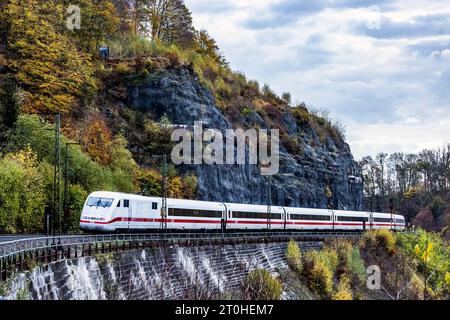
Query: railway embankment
x=172 y=272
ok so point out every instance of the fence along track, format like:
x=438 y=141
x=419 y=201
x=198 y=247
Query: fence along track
x=20 y=255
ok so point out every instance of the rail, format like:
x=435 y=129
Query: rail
x=15 y=247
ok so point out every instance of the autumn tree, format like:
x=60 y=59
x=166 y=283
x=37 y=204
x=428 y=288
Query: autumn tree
x=206 y=45
x=170 y=20
x=97 y=140
x=51 y=72
x=99 y=22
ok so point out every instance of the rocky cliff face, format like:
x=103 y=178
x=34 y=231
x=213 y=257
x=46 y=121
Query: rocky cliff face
x=303 y=178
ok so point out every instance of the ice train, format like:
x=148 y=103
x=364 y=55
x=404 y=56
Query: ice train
x=120 y=212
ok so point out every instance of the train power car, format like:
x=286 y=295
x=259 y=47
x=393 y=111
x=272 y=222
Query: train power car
x=120 y=212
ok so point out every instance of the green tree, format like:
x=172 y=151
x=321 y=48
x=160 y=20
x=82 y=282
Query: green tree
x=100 y=22
x=9 y=104
x=22 y=196
x=293 y=255
x=75 y=202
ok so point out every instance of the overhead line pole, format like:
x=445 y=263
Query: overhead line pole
x=57 y=174
x=164 y=195
x=269 y=203
x=66 y=174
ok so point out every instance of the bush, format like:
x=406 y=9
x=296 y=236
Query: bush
x=318 y=274
x=437 y=206
x=293 y=256
x=190 y=184
x=290 y=143
x=246 y=111
x=260 y=284
x=356 y=265
x=430 y=252
x=343 y=290
x=22 y=193
x=343 y=248
x=75 y=202
x=379 y=241
x=301 y=115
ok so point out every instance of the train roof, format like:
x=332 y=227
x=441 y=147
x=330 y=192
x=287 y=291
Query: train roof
x=253 y=207
x=307 y=210
x=194 y=203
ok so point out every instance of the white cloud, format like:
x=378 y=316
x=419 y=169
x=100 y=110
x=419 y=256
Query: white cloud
x=445 y=54
x=386 y=85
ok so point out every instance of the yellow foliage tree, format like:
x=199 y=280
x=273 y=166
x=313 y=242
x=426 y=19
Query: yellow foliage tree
x=294 y=255
x=343 y=290
x=318 y=274
x=97 y=140
x=51 y=72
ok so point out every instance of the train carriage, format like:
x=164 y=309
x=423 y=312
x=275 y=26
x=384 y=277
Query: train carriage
x=118 y=212
x=380 y=220
x=194 y=215
x=253 y=217
x=308 y=219
x=112 y=211
x=399 y=222
x=351 y=220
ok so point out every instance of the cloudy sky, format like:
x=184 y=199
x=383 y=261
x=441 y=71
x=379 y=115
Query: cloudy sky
x=381 y=67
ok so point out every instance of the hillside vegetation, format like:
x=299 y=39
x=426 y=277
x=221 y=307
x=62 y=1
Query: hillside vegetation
x=418 y=184
x=46 y=68
x=413 y=266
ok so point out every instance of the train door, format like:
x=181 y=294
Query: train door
x=128 y=208
x=223 y=222
x=333 y=219
x=285 y=219
x=370 y=220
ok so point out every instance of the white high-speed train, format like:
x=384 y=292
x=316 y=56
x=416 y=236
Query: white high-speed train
x=120 y=212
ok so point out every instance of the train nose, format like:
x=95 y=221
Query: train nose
x=90 y=227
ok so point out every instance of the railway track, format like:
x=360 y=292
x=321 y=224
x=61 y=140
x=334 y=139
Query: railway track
x=28 y=243
x=8 y=238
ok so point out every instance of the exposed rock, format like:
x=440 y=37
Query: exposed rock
x=303 y=177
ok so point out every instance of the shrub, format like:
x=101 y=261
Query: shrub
x=260 y=284
x=378 y=241
x=318 y=274
x=294 y=255
x=246 y=111
x=430 y=252
x=190 y=184
x=150 y=182
x=343 y=290
x=301 y=115
x=343 y=248
x=290 y=143
x=75 y=202
x=123 y=68
x=356 y=265
x=22 y=193
x=437 y=206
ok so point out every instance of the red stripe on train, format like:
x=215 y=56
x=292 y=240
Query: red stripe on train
x=123 y=219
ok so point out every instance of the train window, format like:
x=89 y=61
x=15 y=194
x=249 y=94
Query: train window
x=126 y=203
x=154 y=205
x=118 y=204
x=100 y=202
x=381 y=220
x=256 y=215
x=295 y=216
x=356 y=219
x=194 y=213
